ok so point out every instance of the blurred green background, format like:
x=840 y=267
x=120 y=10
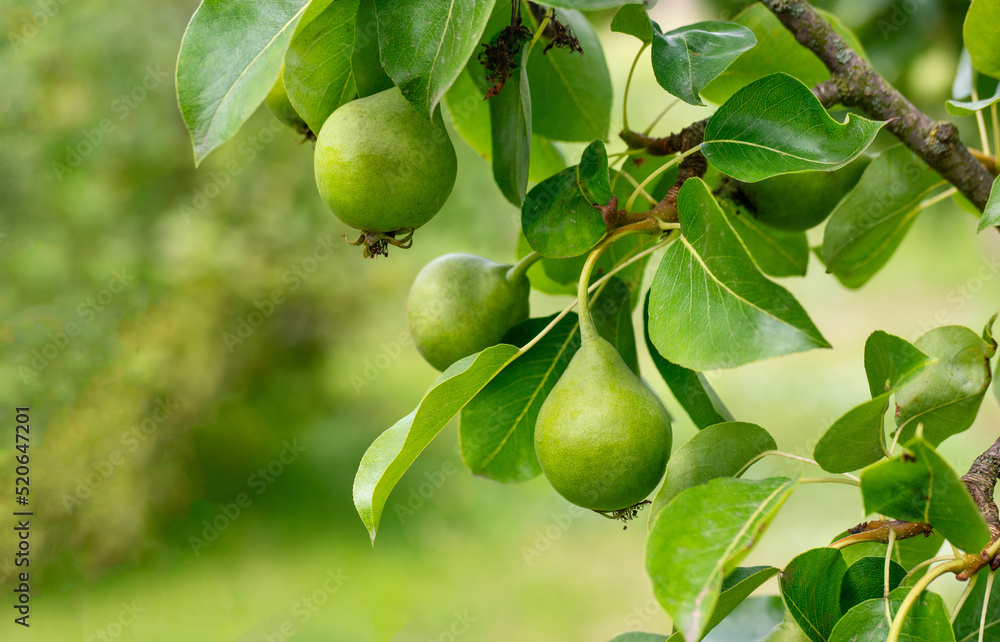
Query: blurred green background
x=162 y=416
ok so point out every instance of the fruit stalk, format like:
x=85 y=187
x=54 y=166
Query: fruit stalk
x=588 y=331
x=521 y=268
x=897 y=623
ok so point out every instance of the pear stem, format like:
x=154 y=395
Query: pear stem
x=521 y=267
x=897 y=623
x=628 y=84
x=598 y=283
x=588 y=331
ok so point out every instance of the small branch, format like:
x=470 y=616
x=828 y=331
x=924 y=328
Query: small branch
x=937 y=143
x=965 y=596
x=981 y=480
x=694 y=134
x=883 y=532
x=896 y=630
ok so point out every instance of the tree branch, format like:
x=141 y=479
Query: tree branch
x=981 y=481
x=858 y=85
x=694 y=134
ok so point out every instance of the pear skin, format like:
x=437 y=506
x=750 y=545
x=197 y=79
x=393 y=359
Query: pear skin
x=279 y=104
x=602 y=437
x=381 y=166
x=796 y=202
x=462 y=303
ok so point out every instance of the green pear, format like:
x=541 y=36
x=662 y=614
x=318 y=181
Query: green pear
x=383 y=167
x=279 y=104
x=602 y=437
x=462 y=303
x=796 y=202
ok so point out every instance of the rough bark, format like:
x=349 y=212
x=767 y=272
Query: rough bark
x=860 y=86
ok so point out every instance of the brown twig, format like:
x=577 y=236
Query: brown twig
x=981 y=480
x=858 y=85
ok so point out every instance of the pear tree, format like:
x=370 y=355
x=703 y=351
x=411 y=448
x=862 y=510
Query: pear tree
x=804 y=136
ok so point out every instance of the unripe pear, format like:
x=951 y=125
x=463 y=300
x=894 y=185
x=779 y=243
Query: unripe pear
x=279 y=104
x=796 y=202
x=602 y=437
x=381 y=166
x=462 y=303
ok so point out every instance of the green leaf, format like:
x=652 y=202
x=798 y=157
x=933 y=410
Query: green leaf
x=811 y=585
x=777 y=126
x=905 y=552
x=633 y=20
x=510 y=119
x=991 y=215
x=470 y=115
x=855 y=440
x=497 y=427
x=980 y=35
x=685 y=60
x=702 y=535
x=920 y=486
x=870 y=222
x=970 y=616
x=690 y=388
x=777 y=50
x=571 y=94
x=369 y=77
x=970 y=107
x=865 y=580
x=945 y=397
x=915 y=550
x=722 y=450
x=737 y=587
x=891 y=361
x=774 y=252
x=787 y=630
x=424 y=44
x=962 y=86
x=927 y=620
x=318 y=72
x=710 y=307
x=558 y=216
x=230 y=58
x=393 y=451
x=750 y=620
x=537 y=275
